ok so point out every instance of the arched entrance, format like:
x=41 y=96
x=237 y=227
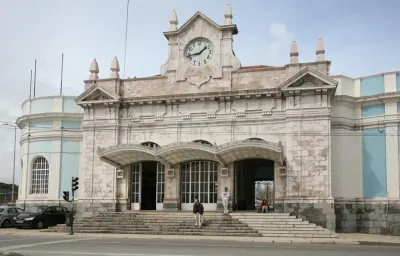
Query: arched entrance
x=199 y=180
x=254 y=182
x=147 y=185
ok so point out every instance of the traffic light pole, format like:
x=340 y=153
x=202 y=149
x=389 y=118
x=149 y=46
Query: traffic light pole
x=74 y=187
x=71 y=232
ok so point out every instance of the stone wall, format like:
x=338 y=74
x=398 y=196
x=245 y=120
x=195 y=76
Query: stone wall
x=370 y=216
x=320 y=212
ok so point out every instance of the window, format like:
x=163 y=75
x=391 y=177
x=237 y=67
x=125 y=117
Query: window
x=40 y=176
x=19 y=210
x=12 y=210
x=199 y=180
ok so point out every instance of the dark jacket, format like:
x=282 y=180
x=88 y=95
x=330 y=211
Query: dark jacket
x=198 y=208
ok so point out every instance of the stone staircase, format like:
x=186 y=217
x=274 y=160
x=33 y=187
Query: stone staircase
x=282 y=225
x=159 y=223
x=245 y=224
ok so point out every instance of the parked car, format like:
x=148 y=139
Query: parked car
x=7 y=213
x=41 y=217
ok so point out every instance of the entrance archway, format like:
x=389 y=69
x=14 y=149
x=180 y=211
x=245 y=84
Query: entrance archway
x=147 y=181
x=199 y=180
x=250 y=175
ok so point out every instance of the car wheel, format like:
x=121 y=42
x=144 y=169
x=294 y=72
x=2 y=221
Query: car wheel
x=6 y=224
x=40 y=225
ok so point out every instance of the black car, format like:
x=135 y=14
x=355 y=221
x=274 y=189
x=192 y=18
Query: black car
x=41 y=217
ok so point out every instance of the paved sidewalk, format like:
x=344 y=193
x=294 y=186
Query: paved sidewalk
x=351 y=238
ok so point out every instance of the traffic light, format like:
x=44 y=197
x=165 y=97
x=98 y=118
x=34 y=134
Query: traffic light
x=66 y=195
x=75 y=183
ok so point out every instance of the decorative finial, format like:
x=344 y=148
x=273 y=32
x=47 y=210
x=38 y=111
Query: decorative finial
x=114 y=68
x=94 y=70
x=228 y=14
x=294 y=53
x=173 y=21
x=320 y=50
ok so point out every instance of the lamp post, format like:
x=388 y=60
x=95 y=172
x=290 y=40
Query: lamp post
x=13 y=175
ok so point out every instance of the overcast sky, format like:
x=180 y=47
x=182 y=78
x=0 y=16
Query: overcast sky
x=361 y=38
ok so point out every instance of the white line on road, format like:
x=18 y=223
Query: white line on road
x=97 y=253
x=19 y=239
x=42 y=243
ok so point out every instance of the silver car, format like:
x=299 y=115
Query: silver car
x=7 y=213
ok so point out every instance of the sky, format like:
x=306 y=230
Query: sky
x=361 y=38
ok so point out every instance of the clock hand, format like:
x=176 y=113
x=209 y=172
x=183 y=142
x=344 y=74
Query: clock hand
x=198 y=53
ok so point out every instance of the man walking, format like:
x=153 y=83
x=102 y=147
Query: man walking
x=198 y=211
x=225 y=200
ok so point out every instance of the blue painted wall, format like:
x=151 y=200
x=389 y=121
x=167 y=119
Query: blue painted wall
x=72 y=125
x=398 y=81
x=374 y=163
x=70 y=106
x=42 y=106
x=69 y=164
x=373 y=110
x=372 y=85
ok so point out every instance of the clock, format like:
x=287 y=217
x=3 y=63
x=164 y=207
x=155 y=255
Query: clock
x=199 y=52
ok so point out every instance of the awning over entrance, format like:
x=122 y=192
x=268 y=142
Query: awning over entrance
x=121 y=155
x=245 y=149
x=175 y=153
x=188 y=151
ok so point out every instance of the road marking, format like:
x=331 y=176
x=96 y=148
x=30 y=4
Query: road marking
x=97 y=253
x=42 y=243
x=19 y=239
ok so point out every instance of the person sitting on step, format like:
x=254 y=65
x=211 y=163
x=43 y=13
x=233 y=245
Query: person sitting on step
x=263 y=207
x=198 y=211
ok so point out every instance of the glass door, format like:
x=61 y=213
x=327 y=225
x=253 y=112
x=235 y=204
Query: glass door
x=136 y=186
x=199 y=181
x=160 y=186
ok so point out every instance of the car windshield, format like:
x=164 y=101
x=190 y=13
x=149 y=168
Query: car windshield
x=36 y=209
x=1 y=209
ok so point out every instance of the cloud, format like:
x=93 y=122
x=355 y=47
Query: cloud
x=279 y=48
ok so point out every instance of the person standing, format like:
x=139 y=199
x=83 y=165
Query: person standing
x=198 y=211
x=225 y=200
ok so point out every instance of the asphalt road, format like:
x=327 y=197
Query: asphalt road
x=76 y=245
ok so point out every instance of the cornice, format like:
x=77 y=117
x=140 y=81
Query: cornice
x=368 y=99
x=48 y=116
x=47 y=97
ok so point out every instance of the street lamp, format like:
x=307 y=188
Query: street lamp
x=13 y=176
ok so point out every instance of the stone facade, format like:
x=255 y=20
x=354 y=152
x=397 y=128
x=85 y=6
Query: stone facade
x=287 y=108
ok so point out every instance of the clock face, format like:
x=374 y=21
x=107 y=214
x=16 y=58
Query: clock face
x=199 y=52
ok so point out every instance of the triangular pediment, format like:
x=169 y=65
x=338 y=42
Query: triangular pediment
x=196 y=16
x=309 y=78
x=96 y=94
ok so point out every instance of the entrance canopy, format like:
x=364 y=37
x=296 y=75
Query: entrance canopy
x=188 y=151
x=246 y=149
x=122 y=155
x=175 y=153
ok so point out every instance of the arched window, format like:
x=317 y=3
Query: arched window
x=40 y=176
x=150 y=144
x=203 y=142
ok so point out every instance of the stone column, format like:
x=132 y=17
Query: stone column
x=172 y=188
x=279 y=188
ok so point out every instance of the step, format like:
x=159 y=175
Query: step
x=193 y=229
x=263 y=217
x=290 y=228
x=295 y=232
x=301 y=235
